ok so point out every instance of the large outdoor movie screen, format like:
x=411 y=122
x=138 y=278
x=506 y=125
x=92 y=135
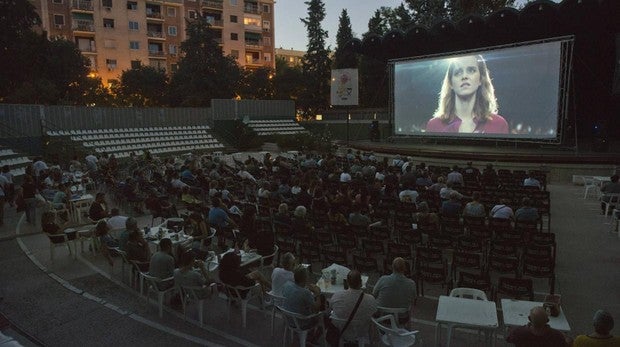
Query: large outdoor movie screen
x=499 y=93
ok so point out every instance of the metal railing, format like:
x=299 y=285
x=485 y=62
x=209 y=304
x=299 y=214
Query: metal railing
x=83 y=25
x=154 y=15
x=213 y=4
x=251 y=9
x=155 y=34
x=215 y=22
x=84 y=5
x=157 y=53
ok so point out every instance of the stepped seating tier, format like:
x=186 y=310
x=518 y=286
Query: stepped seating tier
x=276 y=127
x=16 y=161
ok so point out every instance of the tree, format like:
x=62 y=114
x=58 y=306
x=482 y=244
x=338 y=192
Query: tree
x=397 y=18
x=343 y=57
x=67 y=69
x=257 y=84
x=428 y=12
x=288 y=81
x=372 y=70
x=204 y=73
x=144 y=86
x=461 y=8
x=316 y=65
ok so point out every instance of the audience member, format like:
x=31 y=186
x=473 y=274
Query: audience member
x=98 y=209
x=526 y=213
x=116 y=221
x=451 y=207
x=192 y=273
x=137 y=248
x=502 y=210
x=601 y=337
x=282 y=216
x=231 y=273
x=356 y=218
x=474 y=208
x=537 y=333
x=612 y=187
x=131 y=225
x=396 y=290
x=531 y=181
x=455 y=177
x=300 y=296
x=283 y=274
x=343 y=302
x=102 y=231
x=162 y=262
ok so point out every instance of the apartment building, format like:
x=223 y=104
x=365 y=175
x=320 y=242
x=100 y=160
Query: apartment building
x=291 y=56
x=116 y=35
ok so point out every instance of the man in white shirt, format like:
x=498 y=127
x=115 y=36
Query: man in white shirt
x=91 y=162
x=38 y=166
x=502 y=210
x=281 y=275
x=455 y=177
x=345 y=177
x=343 y=302
x=531 y=181
x=116 y=221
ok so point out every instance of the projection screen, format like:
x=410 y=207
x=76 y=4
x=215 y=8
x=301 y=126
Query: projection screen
x=508 y=92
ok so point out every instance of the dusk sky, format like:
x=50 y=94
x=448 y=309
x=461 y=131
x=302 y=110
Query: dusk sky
x=291 y=32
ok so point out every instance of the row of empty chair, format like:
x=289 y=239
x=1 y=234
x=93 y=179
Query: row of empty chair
x=276 y=127
x=123 y=142
x=124 y=130
x=16 y=161
x=145 y=140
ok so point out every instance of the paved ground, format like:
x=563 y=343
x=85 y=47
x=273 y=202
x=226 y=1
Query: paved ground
x=82 y=301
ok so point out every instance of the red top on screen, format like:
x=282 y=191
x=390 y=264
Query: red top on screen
x=496 y=125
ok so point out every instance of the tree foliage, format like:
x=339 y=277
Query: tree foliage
x=204 y=73
x=428 y=12
x=343 y=57
x=144 y=86
x=257 y=84
x=316 y=64
x=288 y=80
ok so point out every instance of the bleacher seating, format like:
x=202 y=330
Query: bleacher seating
x=276 y=127
x=16 y=161
x=157 y=140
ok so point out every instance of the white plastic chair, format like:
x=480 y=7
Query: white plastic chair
x=87 y=235
x=590 y=183
x=362 y=335
x=394 y=311
x=154 y=283
x=269 y=260
x=297 y=323
x=58 y=240
x=273 y=300
x=234 y=294
x=613 y=200
x=615 y=217
x=470 y=293
x=392 y=335
x=194 y=294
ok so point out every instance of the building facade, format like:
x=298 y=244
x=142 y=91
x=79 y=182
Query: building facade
x=116 y=35
x=291 y=57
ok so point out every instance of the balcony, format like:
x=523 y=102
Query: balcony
x=213 y=4
x=154 y=16
x=218 y=40
x=253 y=44
x=155 y=35
x=90 y=49
x=83 y=25
x=215 y=22
x=251 y=9
x=253 y=61
x=82 y=5
x=157 y=53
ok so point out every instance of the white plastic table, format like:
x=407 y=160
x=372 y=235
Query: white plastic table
x=247 y=258
x=465 y=312
x=341 y=273
x=515 y=314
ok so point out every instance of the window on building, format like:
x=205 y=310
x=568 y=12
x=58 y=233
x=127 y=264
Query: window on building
x=133 y=25
x=134 y=44
x=266 y=25
x=135 y=64
x=234 y=53
x=172 y=30
x=57 y=1
x=106 y=3
x=192 y=14
x=266 y=41
x=233 y=2
x=267 y=56
x=233 y=19
x=111 y=64
x=266 y=8
x=158 y=64
x=59 y=19
x=172 y=12
x=132 y=5
x=234 y=36
x=251 y=21
x=109 y=43
x=172 y=49
x=108 y=23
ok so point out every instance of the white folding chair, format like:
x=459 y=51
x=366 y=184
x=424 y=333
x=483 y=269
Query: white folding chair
x=590 y=183
x=300 y=324
x=469 y=293
x=195 y=294
x=609 y=200
x=58 y=240
x=273 y=300
x=392 y=335
x=235 y=294
x=155 y=284
x=362 y=334
x=394 y=311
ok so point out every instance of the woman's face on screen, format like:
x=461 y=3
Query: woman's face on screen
x=465 y=78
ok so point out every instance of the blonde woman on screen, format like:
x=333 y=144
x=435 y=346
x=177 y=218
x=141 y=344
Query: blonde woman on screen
x=467 y=101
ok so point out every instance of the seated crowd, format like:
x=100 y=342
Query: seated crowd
x=291 y=204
